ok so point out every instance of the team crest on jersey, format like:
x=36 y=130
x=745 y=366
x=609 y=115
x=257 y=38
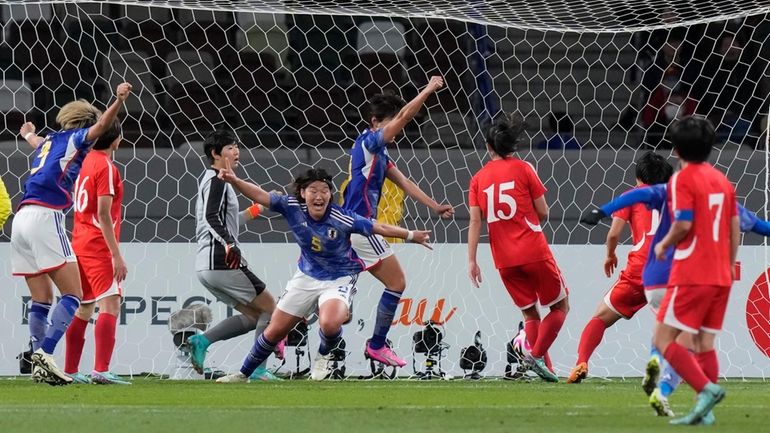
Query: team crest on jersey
x=331 y=233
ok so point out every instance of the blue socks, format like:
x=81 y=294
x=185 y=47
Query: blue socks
x=37 y=318
x=386 y=309
x=329 y=342
x=669 y=380
x=259 y=352
x=60 y=320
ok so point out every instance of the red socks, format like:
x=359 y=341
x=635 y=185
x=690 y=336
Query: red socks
x=531 y=328
x=684 y=363
x=548 y=331
x=590 y=339
x=75 y=339
x=104 y=334
x=709 y=363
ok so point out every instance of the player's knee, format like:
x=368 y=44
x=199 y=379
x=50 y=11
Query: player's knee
x=562 y=305
x=110 y=305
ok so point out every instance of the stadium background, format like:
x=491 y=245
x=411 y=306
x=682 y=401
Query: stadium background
x=292 y=86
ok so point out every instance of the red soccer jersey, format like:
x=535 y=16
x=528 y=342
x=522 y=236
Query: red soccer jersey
x=643 y=223
x=505 y=191
x=701 y=193
x=98 y=177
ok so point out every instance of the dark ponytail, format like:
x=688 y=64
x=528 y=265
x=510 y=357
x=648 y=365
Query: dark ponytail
x=503 y=135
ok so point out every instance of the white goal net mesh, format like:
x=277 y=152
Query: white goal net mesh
x=597 y=81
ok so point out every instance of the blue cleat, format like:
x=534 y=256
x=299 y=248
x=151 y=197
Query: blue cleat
x=107 y=378
x=538 y=366
x=79 y=378
x=198 y=345
x=709 y=419
x=264 y=375
x=707 y=399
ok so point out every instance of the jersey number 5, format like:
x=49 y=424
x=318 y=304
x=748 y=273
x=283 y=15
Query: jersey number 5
x=494 y=200
x=315 y=244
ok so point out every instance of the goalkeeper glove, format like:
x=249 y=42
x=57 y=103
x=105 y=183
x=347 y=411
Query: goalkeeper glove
x=232 y=256
x=593 y=216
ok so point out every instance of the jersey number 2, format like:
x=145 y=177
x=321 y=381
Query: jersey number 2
x=494 y=200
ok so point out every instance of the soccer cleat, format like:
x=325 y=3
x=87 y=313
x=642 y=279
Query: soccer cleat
x=37 y=375
x=48 y=370
x=234 y=378
x=707 y=399
x=384 y=355
x=651 y=375
x=659 y=402
x=538 y=366
x=198 y=345
x=280 y=349
x=107 y=378
x=322 y=367
x=79 y=378
x=709 y=419
x=264 y=375
x=578 y=373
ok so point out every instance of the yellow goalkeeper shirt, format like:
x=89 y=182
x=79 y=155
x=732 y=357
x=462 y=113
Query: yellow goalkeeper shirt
x=5 y=204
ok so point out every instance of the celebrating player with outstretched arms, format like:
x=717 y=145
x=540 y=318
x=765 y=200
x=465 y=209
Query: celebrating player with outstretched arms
x=328 y=266
x=40 y=249
x=370 y=164
x=510 y=195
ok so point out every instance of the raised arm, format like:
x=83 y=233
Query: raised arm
x=251 y=191
x=412 y=190
x=395 y=126
x=27 y=132
x=106 y=119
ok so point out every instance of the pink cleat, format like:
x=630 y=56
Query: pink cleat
x=280 y=349
x=384 y=355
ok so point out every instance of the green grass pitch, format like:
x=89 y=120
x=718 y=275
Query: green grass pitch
x=152 y=405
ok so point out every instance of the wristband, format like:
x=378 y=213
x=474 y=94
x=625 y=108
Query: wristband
x=409 y=236
x=26 y=136
x=254 y=210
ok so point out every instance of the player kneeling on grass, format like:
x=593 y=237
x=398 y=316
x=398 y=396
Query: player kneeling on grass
x=219 y=264
x=98 y=200
x=508 y=193
x=627 y=295
x=705 y=234
x=40 y=249
x=328 y=266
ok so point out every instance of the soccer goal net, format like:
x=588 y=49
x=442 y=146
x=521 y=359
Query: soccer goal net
x=597 y=82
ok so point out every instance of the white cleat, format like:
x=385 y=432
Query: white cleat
x=660 y=403
x=234 y=378
x=48 y=370
x=321 y=367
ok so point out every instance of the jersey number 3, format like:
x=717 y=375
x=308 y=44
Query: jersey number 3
x=495 y=200
x=44 y=149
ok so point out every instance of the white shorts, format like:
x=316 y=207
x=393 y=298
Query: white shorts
x=39 y=242
x=371 y=249
x=654 y=297
x=304 y=294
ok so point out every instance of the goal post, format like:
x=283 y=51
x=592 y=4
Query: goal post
x=292 y=78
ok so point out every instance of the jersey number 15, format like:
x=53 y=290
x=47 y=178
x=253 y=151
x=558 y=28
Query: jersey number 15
x=494 y=200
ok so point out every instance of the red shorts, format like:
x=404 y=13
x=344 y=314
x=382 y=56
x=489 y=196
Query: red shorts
x=694 y=308
x=97 y=279
x=533 y=282
x=626 y=296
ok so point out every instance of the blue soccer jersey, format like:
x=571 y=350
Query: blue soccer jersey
x=55 y=166
x=325 y=244
x=369 y=161
x=656 y=271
